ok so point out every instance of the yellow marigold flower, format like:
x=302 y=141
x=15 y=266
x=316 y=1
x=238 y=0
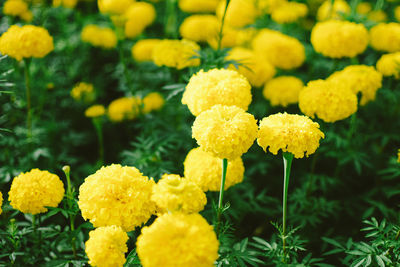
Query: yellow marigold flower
x=176 y=53
x=17 y=8
x=199 y=28
x=397 y=13
x=178 y=240
x=256 y=69
x=292 y=133
x=142 y=50
x=359 y=78
x=153 y=101
x=25 y=42
x=139 y=15
x=269 y=6
x=1 y=202
x=240 y=13
x=65 y=3
x=133 y=28
x=106 y=247
x=225 y=131
x=27 y=16
x=205 y=170
x=328 y=100
x=95 y=111
x=216 y=86
x=114 y=6
x=281 y=50
x=385 y=37
x=283 y=90
x=99 y=36
x=337 y=39
x=117 y=195
x=230 y=38
x=364 y=8
x=83 y=92
x=289 y=12
x=33 y=191
x=173 y=193
x=124 y=108
x=198 y=6
x=326 y=11
x=377 y=16
x=389 y=65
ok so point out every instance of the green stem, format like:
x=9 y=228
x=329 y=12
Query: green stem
x=287 y=164
x=221 y=195
x=352 y=127
x=171 y=21
x=99 y=131
x=28 y=98
x=220 y=35
x=70 y=198
x=128 y=81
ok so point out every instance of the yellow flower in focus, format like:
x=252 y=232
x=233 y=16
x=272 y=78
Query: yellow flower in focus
x=1 y=202
x=338 y=11
x=173 y=193
x=225 y=131
x=359 y=78
x=116 y=7
x=153 y=101
x=106 y=246
x=216 y=86
x=200 y=28
x=142 y=50
x=389 y=65
x=289 y=12
x=65 y=3
x=328 y=100
x=117 y=195
x=385 y=37
x=176 y=53
x=17 y=8
x=205 y=170
x=33 y=191
x=99 y=36
x=139 y=15
x=283 y=90
x=95 y=111
x=198 y=6
x=240 y=13
x=83 y=92
x=124 y=108
x=338 y=39
x=397 y=13
x=26 y=42
x=296 y=134
x=178 y=240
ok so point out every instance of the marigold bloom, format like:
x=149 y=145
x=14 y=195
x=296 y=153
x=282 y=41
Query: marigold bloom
x=33 y=191
x=289 y=12
x=240 y=13
x=283 y=90
x=200 y=28
x=25 y=42
x=397 y=13
x=142 y=50
x=124 y=108
x=99 y=36
x=106 y=246
x=328 y=100
x=1 y=202
x=17 y=8
x=338 y=11
x=117 y=195
x=205 y=170
x=153 y=101
x=173 y=193
x=337 y=39
x=216 y=86
x=83 y=92
x=389 y=65
x=139 y=15
x=117 y=7
x=359 y=78
x=225 y=131
x=385 y=37
x=95 y=111
x=65 y=3
x=364 y=8
x=198 y=6
x=176 y=53
x=178 y=240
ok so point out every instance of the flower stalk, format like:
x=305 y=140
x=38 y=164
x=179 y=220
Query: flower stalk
x=70 y=200
x=287 y=164
x=220 y=35
x=28 y=98
x=98 y=125
x=221 y=195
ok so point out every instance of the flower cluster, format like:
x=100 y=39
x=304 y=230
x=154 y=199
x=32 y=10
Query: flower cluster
x=17 y=8
x=283 y=90
x=177 y=54
x=99 y=36
x=385 y=37
x=83 y=92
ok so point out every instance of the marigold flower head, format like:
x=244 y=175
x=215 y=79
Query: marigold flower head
x=216 y=86
x=225 y=131
x=328 y=100
x=117 y=7
x=83 y=92
x=139 y=15
x=65 y=3
x=385 y=37
x=99 y=36
x=200 y=28
x=281 y=50
x=124 y=108
x=1 y=202
x=17 y=8
x=95 y=111
x=142 y=50
x=337 y=39
x=33 y=191
x=240 y=13
x=178 y=240
x=106 y=246
x=283 y=90
x=26 y=42
x=133 y=28
x=176 y=54
x=389 y=65
x=289 y=12
x=364 y=8
x=339 y=9
x=173 y=193
x=377 y=16
x=153 y=101
x=205 y=170
x=117 y=195
x=397 y=13
x=198 y=6
x=359 y=78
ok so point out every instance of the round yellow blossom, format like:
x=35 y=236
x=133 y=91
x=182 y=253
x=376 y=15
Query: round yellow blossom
x=230 y=38
x=17 y=8
x=389 y=65
x=106 y=247
x=173 y=193
x=338 y=11
x=114 y=6
x=153 y=101
x=198 y=6
x=359 y=78
x=33 y=191
x=256 y=69
x=385 y=37
x=205 y=170
x=397 y=13
x=83 y=92
x=289 y=12
x=1 y=202
x=99 y=36
x=292 y=133
x=240 y=13
x=65 y=3
x=142 y=50
x=281 y=50
x=178 y=240
x=133 y=28
x=283 y=90
x=95 y=111
x=25 y=42
x=117 y=195
x=139 y=15
x=337 y=39
x=124 y=108
x=328 y=100
x=176 y=53
x=216 y=86
x=364 y=8
x=225 y=131
x=200 y=28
